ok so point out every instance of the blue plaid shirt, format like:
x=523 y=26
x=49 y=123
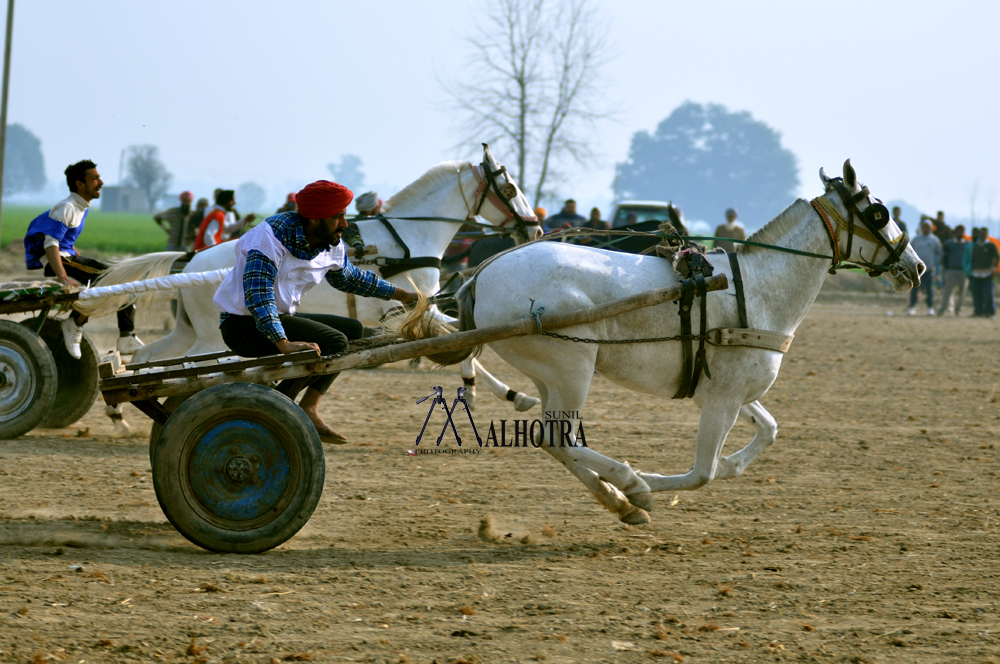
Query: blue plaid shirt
x=261 y=272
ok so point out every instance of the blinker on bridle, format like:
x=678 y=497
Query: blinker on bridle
x=875 y=217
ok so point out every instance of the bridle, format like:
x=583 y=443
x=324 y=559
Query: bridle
x=874 y=218
x=500 y=196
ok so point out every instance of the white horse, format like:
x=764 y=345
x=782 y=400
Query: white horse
x=452 y=190
x=779 y=289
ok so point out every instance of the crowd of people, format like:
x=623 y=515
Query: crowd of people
x=954 y=259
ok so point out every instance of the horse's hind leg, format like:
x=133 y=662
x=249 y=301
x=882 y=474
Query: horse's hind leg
x=767 y=429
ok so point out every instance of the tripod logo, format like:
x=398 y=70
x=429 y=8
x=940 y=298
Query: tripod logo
x=438 y=395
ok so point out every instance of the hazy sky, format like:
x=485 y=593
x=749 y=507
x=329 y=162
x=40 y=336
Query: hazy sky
x=272 y=92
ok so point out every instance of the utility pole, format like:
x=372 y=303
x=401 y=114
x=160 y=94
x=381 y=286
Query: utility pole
x=3 y=101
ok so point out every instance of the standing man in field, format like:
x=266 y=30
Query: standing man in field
x=731 y=229
x=928 y=248
x=221 y=221
x=277 y=263
x=952 y=262
x=565 y=218
x=50 y=241
x=174 y=222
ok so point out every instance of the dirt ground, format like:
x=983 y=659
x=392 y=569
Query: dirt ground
x=867 y=533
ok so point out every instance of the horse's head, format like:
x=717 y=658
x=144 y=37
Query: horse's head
x=501 y=202
x=863 y=233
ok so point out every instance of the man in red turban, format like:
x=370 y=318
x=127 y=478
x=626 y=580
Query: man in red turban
x=277 y=263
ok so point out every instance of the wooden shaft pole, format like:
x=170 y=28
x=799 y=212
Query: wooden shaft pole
x=410 y=349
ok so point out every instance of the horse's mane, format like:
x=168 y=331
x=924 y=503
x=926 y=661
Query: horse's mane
x=776 y=229
x=426 y=183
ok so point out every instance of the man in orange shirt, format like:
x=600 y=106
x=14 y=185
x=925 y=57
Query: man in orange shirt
x=220 y=222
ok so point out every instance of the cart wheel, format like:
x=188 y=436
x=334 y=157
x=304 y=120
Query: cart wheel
x=238 y=468
x=27 y=379
x=77 y=387
x=170 y=404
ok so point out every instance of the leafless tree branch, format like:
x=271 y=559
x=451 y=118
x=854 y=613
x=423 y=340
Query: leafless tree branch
x=534 y=84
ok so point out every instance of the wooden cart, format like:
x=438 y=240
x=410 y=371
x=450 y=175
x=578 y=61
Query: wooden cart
x=41 y=384
x=237 y=466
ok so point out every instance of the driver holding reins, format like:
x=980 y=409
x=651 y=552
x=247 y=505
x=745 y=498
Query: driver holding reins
x=277 y=263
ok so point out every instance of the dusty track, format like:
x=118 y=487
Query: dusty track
x=868 y=533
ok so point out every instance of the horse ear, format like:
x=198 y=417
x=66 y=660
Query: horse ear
x=488 y=157
x=850 y=177
x=824 y=178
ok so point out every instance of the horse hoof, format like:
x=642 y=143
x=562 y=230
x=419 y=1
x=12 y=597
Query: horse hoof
x=641 y=499
x=634 y=516
x=121 y=429
x=523 y=402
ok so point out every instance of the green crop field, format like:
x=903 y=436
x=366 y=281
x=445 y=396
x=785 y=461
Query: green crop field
x=116 y=232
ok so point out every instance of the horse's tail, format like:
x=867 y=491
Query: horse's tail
x=420 y=324
x=148 y=266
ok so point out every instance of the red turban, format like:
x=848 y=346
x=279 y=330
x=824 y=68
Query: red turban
x=323 y=199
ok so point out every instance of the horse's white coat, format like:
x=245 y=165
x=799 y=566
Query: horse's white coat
x=779 y=288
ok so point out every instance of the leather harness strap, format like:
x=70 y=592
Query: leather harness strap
x=741 y=303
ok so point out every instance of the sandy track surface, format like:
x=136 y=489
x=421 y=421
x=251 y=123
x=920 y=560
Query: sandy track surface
x=867 y=533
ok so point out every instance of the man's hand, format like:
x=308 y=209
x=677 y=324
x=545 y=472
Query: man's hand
x=285 y=346
x=405 y=296
x=68 y=281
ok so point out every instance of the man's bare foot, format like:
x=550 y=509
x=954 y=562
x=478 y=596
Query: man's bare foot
x=326 y=434
x=310 y=406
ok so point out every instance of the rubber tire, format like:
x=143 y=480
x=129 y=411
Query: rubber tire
x=199 y=495
x=78 y=385
x=21 y=350
x=171 y=404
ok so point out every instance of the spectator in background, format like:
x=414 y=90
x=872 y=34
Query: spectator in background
x=221 y=221
x=985 y=259
x=595 y=222
x=928 y=249
x=289 y=205
x=368 y=204
x=566 y=218
x=952 y=258
x=899 y=222
x=731 y=229
x=193 y=223
x=941 y=229
x=174 y=222
x=540 y=213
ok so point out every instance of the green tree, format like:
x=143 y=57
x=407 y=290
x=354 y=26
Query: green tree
x=705 y=159
x=24 y=166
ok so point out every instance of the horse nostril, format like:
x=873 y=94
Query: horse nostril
x=921 y=268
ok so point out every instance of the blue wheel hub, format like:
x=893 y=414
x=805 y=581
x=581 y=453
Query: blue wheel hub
x=238 y=470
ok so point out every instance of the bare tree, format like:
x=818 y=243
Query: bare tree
x=533 y=85
x=147 y=172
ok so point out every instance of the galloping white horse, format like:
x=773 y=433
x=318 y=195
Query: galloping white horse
x=779 y=289
x=449 y=190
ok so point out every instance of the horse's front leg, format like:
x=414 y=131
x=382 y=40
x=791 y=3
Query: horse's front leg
x=767 y=429
x=717 y=419
x=120 y=428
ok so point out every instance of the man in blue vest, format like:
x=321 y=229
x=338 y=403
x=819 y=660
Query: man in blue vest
x=49 y=245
